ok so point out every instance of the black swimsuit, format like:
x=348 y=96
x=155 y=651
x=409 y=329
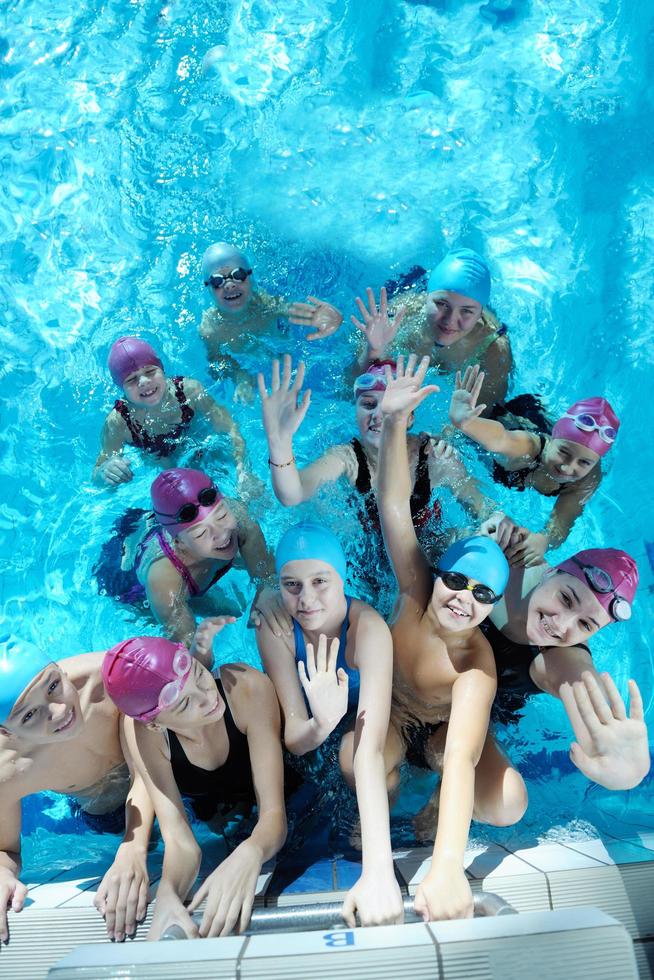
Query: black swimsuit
x=514 y=683
x=517 y=479
x=230 y=783
x=421 y=512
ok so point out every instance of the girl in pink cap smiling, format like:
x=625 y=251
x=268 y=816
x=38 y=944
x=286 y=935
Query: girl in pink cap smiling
x=155 y=414
x=192 y=539
x=562 y=465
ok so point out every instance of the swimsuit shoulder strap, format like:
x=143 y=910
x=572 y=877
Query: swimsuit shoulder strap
x=178 y=564
x=422 y=485
x=182 y=400
x=135 y=430
x=218 y=575
x=363 y=482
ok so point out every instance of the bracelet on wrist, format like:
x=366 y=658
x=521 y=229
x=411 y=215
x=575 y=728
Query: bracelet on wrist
x=280 y=466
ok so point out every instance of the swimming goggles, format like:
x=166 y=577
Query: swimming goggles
x=461 y=583
x=587 y=423
x=373 y=380
x=188 y=512
x=181 y=667
x=236 y=275
x=601 y=582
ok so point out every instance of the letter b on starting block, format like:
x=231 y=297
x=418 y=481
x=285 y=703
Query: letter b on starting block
x=335 y=940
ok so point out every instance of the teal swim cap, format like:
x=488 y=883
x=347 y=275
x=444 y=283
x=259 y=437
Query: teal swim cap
x=306 y=540
x=479 y=558
x=20 y=662
x=462 y=271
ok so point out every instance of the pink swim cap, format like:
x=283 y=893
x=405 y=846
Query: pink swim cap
x=374 y=379
x=128 y=354
x=182 y=497
x=145 y=675
x=591 y=423
x=611 y=574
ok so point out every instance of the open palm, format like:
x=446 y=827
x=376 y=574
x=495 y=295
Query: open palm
x=405 y=392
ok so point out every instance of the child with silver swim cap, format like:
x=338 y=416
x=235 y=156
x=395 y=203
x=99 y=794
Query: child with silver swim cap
x=564 y=464
x=242 y=311
x=156 y=413
x=450 y=323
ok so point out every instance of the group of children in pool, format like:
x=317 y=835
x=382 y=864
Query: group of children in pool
x=479 y=625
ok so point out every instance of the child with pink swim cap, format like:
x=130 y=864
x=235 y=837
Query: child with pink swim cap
x=243 y=312
x=562 y=465
x=155 y=414
x=215 y=739
x=539 y=633
x=192 y=539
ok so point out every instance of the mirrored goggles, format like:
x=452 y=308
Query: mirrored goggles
x=188 y=512
x=461 y=583
x=236 y=275
x=171 y=691
x=601 y=582
x=587 y=423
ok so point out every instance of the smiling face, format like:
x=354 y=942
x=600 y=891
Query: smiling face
x=369 y=418
x=450 y=316
x=457 y=611
x=312 y=592
x=233 y=296
x=567 y=461
x=563 y=611
x=199 y=703
x=216 y=536
x=146 y=386
x=48 y=709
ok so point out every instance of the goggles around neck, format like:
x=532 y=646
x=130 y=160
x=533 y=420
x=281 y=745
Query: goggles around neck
x=236 y=275
x=461 y=583
x=189 y=511
x=588 y=423
x=601 y=583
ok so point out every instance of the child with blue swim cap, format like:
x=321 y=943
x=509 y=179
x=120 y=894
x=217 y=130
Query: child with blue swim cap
x=59 y=733
x=444 y=672
x=243 y=311
x=450 y=323
x=336 y=670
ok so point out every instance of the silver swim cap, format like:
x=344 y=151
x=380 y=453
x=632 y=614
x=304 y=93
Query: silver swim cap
x=222 y=254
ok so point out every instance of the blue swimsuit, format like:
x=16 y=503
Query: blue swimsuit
x=352 y=675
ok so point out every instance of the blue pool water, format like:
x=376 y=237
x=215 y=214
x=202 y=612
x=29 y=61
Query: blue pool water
x=341 y=142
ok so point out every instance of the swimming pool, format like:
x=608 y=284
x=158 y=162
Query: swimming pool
x=341 y=143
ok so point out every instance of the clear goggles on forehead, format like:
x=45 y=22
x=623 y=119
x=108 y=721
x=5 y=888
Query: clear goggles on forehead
x=601 y=583
x=181 y=667
x=237 y=275
x=587 y=423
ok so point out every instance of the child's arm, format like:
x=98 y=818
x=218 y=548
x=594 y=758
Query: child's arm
x=260 y=566
x=401 y=398
x=446 y=468
x=497 y=364
x=325 y=687
x=322 y=317
x=168 y=597
x=110 y=468
x=284 y=410
x=376 y=895
x=377 y=327
x=146 y=751
x=210 y=334
x=230 y=889
x=465 y=415
x=122 y=895
x=218 y=417
x=12 y=891
x=445 y=892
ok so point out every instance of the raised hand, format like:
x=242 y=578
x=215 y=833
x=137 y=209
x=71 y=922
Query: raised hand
x=378 y=330
x=611 y=748
x=463 y=405
x=503 y=530
x=326 y=687
x=404 y=392
x=324 y=318
x=284 y=408
x=202 y=645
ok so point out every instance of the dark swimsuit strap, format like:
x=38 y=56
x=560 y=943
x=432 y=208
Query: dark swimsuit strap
x=161 y=443
x=300 y=645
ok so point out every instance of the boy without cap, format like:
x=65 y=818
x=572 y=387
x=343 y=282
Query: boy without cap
x=59 y=732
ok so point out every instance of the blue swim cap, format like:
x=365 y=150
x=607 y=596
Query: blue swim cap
x=20 y=662
x=306 y=540
x=479 y=558
x=462 y=271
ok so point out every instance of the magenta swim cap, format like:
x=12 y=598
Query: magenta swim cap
x=145 y=675
x=374 y=378
x=182 y=497
x=612 y=575
x=591 y=423
x=128 y=354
